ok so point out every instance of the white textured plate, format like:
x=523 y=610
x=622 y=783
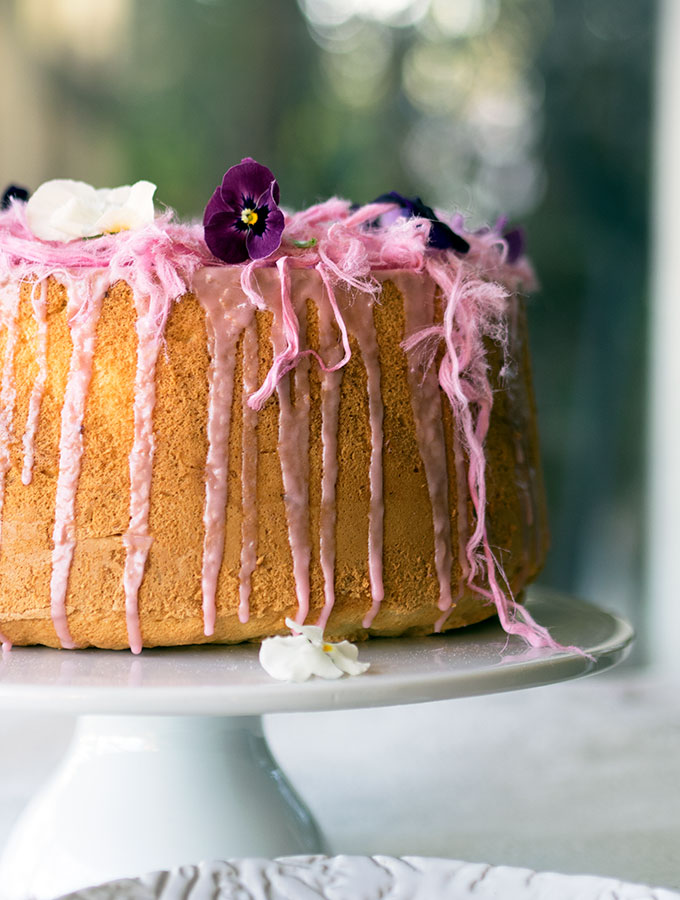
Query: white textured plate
x=218 y=680
x=365 y=878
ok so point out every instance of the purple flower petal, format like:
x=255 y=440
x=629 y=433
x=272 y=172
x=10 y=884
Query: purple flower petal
x=246 y=182
x=242 y=218
x=515 y=240
x=13 y=192
x=224 y=239
x=215 y=205
x=262 y=245
x=441 y=236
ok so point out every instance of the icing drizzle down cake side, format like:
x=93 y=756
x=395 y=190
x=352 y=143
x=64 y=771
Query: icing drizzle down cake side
x=341 y=431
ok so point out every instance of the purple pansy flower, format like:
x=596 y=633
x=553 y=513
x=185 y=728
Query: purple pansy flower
x=441 y=236
x=13 y=192
x=242 y=219
x=515 y=240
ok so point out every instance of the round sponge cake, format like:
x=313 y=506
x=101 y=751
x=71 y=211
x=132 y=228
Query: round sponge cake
x=263 y=444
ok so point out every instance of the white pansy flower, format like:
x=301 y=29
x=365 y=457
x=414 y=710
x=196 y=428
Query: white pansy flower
x=306 y=653
x=65 y=210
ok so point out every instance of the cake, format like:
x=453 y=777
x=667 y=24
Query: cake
x=206 y=428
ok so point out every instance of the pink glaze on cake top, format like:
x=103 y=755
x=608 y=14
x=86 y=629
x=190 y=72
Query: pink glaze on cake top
x=338 y=257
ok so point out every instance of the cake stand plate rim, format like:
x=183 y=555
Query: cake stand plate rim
x=228 y=680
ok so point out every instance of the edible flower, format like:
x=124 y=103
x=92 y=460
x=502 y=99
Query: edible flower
x=305 y=653
x=242 y=219
x=13 y=192
x=515 y=240
x=442 y=236
x=64 y=210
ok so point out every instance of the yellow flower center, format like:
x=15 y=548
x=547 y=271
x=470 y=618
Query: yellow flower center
x=249 y=217
x=327 y=648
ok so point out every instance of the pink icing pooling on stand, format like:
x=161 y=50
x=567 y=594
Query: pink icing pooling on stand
x=337 y=258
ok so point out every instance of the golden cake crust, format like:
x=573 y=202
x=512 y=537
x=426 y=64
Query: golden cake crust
x=170 y=596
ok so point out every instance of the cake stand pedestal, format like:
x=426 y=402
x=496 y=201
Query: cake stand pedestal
x=169 y=765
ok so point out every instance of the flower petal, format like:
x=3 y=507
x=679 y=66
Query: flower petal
x=215 y=205
x=13 y=192
x=262 y=245
x=63 y=210
x=294 y=658
x=250 y=186
x=127 y=207
x=305 y=653
x=247 y=179
x=284 y=658
x=346 y=657
x=444 y=238
x=441 y=236
x=515 y=239
x=312 y=633
x=224 y=239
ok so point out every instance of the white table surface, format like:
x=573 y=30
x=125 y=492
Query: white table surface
x=581 y=777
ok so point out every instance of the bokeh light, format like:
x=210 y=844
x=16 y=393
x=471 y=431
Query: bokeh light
x=466 y=69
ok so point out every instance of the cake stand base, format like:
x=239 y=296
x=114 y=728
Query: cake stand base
x=169 y=764
x=137 y=793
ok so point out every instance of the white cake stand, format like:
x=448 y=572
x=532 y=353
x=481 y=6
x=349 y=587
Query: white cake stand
x=169 y=765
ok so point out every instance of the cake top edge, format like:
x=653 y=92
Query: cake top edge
x=71 y=223
x=70 y=227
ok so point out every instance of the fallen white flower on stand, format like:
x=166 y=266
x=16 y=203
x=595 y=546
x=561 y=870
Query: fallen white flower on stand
x=305 y=653
x=65 y=210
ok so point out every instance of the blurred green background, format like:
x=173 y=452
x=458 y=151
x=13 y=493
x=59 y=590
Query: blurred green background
x=538 y=109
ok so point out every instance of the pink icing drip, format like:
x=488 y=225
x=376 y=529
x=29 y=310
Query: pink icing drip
x=427 y=414
x=463 y=525
x=287 y=358
x=294 y=454
x=293 y=450
x=464 y=378
x=363 y=328
x=226 y=317
x=39 y=303
x=84 y=305
x=221 y=381
x=137 y=540
x=9 y=312
x=221 y=349
x=248 y=474
x=330 y=406
x=157 y=261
